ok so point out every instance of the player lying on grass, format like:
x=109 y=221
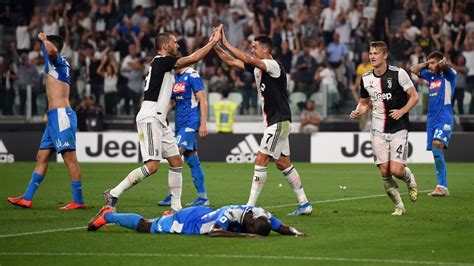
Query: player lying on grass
x=230 y=221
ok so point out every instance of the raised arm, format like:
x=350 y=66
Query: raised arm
x=228 y=59
x=51 y=50
x=416 y=69
x=241 y=55
x=202 y=52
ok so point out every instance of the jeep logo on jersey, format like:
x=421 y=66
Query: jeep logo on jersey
x=244 y=152
x=435 y=85
x=5 y=157
x=179 y=87
x=382 y=96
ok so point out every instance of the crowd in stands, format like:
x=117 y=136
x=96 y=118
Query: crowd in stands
x=321 y=43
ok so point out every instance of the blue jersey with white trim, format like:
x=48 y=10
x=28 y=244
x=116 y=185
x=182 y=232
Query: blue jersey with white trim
x=187 y=107
x=200 y=219
x=441 y=92
x=57 y=68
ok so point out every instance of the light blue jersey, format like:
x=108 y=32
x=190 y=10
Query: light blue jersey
x=58 y=68
x=187 y=107
x=200 y=219
x=439 y=123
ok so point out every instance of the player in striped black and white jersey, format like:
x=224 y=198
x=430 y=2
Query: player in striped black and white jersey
x=389 y=91
x=157 y=140
x=271 y=82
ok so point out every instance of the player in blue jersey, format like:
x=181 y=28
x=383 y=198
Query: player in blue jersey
x=439 y=123
x=60 y=133
x=230 y=221
x=190 y=101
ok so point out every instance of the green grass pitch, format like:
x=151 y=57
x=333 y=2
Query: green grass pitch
x=351 y=226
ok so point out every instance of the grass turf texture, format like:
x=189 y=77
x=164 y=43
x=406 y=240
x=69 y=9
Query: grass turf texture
x=351 y=226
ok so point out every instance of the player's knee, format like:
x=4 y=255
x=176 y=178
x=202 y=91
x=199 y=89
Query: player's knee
x=261 y=159
x=175 y=161
x=152 y=166
x=283 y=162
x=397 y=171
x=384 y=170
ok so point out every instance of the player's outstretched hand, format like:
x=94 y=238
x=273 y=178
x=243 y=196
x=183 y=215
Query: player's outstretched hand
x=216 y=34
x=42 y=36
x=396 y=114
x=354 y=114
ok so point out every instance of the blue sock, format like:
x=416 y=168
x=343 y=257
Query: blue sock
x=440 y=164
x=35 y=181
x=77 y=192
x=127 y=220
x=197 y=173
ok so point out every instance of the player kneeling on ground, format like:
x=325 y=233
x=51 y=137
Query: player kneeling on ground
x=230 y=221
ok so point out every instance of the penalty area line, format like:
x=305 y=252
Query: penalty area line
x=263 y=257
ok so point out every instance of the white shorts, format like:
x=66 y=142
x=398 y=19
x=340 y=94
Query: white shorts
x=157 y=141
x=390 y=147
x=275 y=140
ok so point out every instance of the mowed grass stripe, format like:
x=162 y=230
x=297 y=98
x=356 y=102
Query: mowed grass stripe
x=227 y=256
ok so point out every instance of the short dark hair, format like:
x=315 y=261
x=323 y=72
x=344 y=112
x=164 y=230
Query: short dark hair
x=436 y=55
x=262 y=226
x=57 y=41
x=265 y=40
x=161 y=39
x=225 y=93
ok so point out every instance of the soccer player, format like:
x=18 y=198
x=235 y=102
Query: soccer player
x=189 y=98
x=391 y=94
x=60 y=133
x=441 y=78
x=155 y=136
x=228 y=221
x=271 y=82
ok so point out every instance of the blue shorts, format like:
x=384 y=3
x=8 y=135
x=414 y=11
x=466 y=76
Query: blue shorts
x=441 y=132
x=187 y=138
x=60 y=132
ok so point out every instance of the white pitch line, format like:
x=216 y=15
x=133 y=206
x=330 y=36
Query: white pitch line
x=188 y=255
x=270 y=207
x=341 y=199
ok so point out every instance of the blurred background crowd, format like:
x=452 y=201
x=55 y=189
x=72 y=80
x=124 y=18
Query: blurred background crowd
x=321 y=43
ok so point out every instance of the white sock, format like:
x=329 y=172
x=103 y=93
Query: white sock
x=202 y=195
x=175 y=184
x=391 y=188
x=133 y=178
x=294 y=181
x=258 y=181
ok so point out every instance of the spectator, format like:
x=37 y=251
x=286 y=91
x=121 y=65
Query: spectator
x=469 y=55
x=22 y=33
x=109 y=70
x=89 y=115
x=224 y=111
x=27 y=76
x=361 y=69
x=305 y=68
x=235 y=25
x=219 y=81
x=310 y=119
x=51 y=26
x=132 y=69
x=415 y=13
x=460 y=66
x=8 y=74
x=138 y=16
x=243 y=81
x=327 y=22
x=337 y=56
x=425 y=41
